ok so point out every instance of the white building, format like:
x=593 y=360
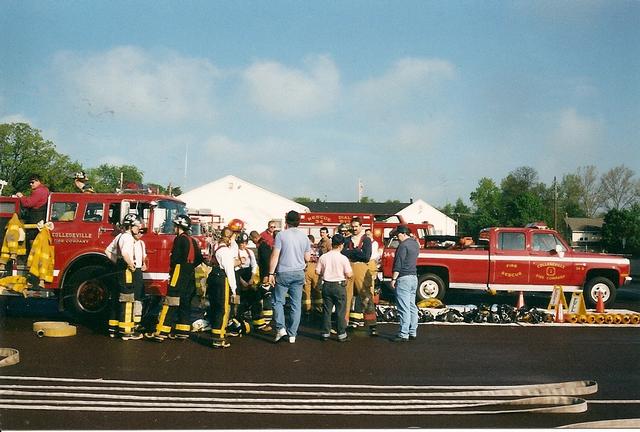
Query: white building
x=232 y=197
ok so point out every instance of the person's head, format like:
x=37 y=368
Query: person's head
x=292 y=218
x=254 y=236
x=324 y=232
x=356 y=225
x=311 y=238
x=402 y=232
x=81 y=176
x=226 y=235
x=272 y=226
x=242 y=240
x=132 y=223
x=368 y=233
x=182 y=223
x=236 y=225
x=35 y=180
x=337 y=241
x=344 y=229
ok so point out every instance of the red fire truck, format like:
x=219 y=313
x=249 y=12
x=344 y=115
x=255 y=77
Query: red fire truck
x=530 y=259
x=381 y=225
x=83 y=226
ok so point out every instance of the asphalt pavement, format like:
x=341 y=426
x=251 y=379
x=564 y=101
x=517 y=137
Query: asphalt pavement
x=100 y=383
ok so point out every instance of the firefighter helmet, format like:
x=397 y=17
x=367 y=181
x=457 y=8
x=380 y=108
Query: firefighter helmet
x=236 y=225
x=242 y=238
x=183 y=221
x=130 y=220
x=81 y=175
x=344 y=227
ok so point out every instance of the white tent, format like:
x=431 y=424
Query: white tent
x=232 y=197
x=419 y=212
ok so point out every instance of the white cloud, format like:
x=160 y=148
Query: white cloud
x=286 y=92
x=222 y=146
x=425 y=135
x=575 y=131
x=128 y=81
x=403 y=79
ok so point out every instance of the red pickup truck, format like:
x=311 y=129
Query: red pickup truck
x=531 y=259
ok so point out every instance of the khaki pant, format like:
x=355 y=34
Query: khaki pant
x=311 y=292
x=361 y=286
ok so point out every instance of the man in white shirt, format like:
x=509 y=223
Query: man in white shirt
x=222 y=287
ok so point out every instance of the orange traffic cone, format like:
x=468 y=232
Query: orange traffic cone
x=559 y=313
x=520 y=303
x=600 y=303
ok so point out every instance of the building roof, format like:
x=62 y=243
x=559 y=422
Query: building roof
x=355 y=207
x=584 y=224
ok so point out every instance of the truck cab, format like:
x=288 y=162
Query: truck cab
x=529 y=259
x=83 y=226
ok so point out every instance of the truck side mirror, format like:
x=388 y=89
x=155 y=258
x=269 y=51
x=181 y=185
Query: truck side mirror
x=559 y=250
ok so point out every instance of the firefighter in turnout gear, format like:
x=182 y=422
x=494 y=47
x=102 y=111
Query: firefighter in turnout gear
x=221 y=286
x=121 y=322
x=358 y=250
x=174 y=321
x=247 y=279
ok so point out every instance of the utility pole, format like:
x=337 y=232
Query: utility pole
x=555 y=203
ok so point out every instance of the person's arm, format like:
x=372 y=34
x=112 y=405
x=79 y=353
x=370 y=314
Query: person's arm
x=37 y=199
x=273 y=263
x=398 y=262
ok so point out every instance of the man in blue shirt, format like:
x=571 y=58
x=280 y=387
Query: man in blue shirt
x=405 y=282
x=290 y=255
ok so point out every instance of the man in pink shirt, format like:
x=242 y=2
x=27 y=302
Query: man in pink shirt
x=37 y=202
x=334 y=269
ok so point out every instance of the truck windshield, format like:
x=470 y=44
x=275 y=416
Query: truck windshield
x=164 y=214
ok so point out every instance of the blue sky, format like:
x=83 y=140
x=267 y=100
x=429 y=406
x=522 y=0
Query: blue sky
x=418 y=99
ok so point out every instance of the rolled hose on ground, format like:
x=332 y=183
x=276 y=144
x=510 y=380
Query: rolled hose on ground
x=10 y=356
x=54 y=329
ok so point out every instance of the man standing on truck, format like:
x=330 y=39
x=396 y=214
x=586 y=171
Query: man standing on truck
x=405 y=282
x=35 y=207
x=358 y=250
x=36 y=204
x=81 y=181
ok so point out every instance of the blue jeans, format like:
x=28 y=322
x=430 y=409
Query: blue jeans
x=288 y=283
x=406 y=287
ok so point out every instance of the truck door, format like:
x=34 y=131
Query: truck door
x=509 y=260
x=547 y=266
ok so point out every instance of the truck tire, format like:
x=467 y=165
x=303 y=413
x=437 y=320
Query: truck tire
x=430 y=285
x=599 y=284
x=87 y=291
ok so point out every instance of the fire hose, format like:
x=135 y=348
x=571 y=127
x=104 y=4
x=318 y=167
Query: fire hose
x=10 y=356
x=54 y=329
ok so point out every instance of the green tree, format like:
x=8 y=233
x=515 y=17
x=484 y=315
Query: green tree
x=524 y=199
x=23 y=151
x=463 y=216
x=106 y=177
x=592 y=196
x=366 y=199
x=570 y=191
x=621 y=230
x=302 y=200
x=620 y=188
x=487 y=206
